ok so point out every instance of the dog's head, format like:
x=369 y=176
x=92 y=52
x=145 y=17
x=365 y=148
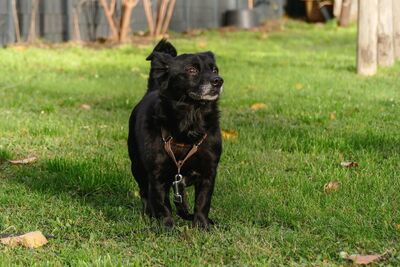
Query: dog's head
x=187 y=76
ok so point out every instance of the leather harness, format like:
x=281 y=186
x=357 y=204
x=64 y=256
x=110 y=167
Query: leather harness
x=168 y=140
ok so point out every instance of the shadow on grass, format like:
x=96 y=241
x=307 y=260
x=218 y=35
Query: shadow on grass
x=100 y=184
x=308 y=138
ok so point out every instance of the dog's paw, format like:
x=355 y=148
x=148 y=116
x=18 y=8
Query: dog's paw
x=186 y=216
x=201 y=222
x=211 y=222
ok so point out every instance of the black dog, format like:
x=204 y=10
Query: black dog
x=174 y=134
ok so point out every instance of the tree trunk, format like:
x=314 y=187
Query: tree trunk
x=354 y=10
x=337 y=8
x=367 y=37
x=16 y=21
x=385 y=33
x=167 y=21
x=250 y=4
x=149 y=15
x=108 y=12
x=127 y=7
x=162 y=8
x=75 y=22
x=32 y=23
x=345 y=13
x=396 y=28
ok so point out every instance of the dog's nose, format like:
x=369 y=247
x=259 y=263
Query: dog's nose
x=217 y=81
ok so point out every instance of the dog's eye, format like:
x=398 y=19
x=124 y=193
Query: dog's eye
x=215 y=70
x=192 y=70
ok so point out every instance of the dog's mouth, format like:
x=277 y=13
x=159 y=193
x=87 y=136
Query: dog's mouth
x=207 y=97
x=207 y=93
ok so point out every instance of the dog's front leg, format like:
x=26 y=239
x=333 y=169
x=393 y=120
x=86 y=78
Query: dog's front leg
x=203 y=193
x=182 y=209
x=157 y=200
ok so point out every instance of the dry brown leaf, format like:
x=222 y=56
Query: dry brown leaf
x=85 y=106
x=30 y=240
x=332 y=116
x=349 y=164
x=365 y=259
x=331 y=186
x=229 y=134
x=257 y=106
x=23 y=161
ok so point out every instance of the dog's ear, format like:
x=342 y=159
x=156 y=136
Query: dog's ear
x=160 y=64
x=209 y=54
x=163 y=47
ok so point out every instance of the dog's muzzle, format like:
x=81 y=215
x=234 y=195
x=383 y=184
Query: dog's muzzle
x=209 y=91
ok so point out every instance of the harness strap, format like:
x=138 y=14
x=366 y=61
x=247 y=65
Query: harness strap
x=192 y=151
x=178 y=198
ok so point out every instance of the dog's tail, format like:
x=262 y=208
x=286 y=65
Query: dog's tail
x=162 y=47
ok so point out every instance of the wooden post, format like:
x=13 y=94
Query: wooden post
x=396 y=28
x=367 y=37
x=385 y=33
x=345 y=13
x=337 y=8
x=353 y=10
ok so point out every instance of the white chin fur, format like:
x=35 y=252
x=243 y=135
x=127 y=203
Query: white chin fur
x=209 y=97
x=222 y=89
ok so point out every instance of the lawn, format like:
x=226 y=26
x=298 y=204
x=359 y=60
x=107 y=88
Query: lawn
x=269 y=203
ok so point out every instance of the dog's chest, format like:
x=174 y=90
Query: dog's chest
x=180 y=150
x=191 y=169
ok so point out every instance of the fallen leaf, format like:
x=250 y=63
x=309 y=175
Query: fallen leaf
x=349 y=164
x=30 y=240
x=23 y=161
x=258 y=106
x=202 y=44
x=298 y=86
x=398 y=226
x=229 y=134
x=85 y=106
x=365 y=259
x=332 y=116
x=331 y=187
x=19 y=47
x=263 y=35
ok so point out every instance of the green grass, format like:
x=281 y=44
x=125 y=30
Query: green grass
x=269 y=200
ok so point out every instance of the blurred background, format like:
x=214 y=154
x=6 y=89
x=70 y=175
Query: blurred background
x=119 y=20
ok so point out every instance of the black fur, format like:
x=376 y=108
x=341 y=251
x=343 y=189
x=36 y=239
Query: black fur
x=182 y=98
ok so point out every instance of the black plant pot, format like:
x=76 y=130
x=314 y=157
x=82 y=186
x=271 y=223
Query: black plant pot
x=241 y=18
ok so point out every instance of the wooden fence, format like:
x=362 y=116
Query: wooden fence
x=54 y=21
